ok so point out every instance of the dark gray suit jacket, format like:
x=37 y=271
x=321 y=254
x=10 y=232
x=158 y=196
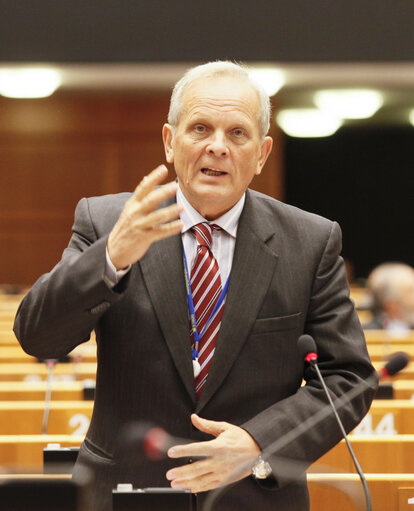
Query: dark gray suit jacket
x=287 y=279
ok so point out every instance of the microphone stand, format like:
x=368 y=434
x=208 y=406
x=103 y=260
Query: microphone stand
x=351 y=451
x=50 y=364
x=278 y=444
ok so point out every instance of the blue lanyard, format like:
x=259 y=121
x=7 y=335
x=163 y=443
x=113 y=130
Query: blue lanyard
x=194 y=329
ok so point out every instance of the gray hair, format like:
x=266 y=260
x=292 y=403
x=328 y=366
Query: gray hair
x=219 y=68
x=385 y=281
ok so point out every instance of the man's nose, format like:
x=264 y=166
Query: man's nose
x=218 y=145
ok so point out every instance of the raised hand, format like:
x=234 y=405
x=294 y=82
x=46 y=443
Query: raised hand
x=140 y=223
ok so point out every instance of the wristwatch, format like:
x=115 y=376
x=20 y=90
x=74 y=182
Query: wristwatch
x=261 y=469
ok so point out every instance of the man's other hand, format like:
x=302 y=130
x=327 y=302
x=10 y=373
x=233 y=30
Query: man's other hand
x=226 y=459
x=140 y=223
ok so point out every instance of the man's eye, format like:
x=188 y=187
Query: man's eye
x=200 y=129
x=238 y=132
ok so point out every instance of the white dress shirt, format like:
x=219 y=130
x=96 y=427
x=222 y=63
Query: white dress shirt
x=223 y=241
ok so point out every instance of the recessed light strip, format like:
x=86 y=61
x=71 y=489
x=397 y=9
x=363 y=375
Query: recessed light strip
x=28 y=82
x=307 y=122
x=349 y=103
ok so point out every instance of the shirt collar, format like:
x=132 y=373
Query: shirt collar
x=228 y=222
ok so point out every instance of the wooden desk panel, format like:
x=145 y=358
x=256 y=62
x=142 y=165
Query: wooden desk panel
x=379 y=352
x=403 y=389
x=406 y=498
x=388 y=417
x=376 y=454
x=36 y=391
x=384 y=337
x=14 y=354
x=25 y=417
x=38 y=372
x=332 y=491
x=25 y=452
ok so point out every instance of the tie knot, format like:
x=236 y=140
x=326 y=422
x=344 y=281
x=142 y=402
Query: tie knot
x=203 y=233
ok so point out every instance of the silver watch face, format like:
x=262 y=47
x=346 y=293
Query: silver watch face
x=261 y=469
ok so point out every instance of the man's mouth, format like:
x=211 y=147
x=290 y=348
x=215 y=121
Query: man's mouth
x=209 y=171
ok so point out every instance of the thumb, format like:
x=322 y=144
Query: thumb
x=207 y=426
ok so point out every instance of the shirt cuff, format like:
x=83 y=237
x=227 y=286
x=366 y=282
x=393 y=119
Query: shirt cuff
x=112 y=275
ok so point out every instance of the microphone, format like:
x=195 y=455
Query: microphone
x=395 y=364
x=294 y=467
x=307 y=348
x=50 y=364
x=156 y=443
x=154 y=440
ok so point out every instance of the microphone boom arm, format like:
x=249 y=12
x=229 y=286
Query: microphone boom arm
x=338 y=420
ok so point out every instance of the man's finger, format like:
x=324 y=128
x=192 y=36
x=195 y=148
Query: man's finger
x=157 y=196
x=166 y=230
x=191 y=470
x=161 y=216
x=207 y=426
x=209 y=482
x=205 y=482
x=150 y=181
x=195 y=449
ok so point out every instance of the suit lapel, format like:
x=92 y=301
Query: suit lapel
x=162 y=269
x=253 y=266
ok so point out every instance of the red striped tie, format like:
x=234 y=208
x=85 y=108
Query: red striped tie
x=206 y=288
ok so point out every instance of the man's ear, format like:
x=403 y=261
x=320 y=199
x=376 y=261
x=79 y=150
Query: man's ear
x=167 y=137
x=265 y=150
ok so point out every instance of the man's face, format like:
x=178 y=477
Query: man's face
x=216 y=148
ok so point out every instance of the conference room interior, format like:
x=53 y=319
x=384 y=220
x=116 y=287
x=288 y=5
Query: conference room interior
x=98 y=133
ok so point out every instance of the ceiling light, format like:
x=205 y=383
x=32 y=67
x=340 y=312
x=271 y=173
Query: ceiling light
x=28 y=83
x=412 y=117
x=307 y=122
x=349 y=103
x=270 y=79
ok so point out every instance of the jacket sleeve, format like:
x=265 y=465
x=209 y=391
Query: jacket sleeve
x=296 y=431
x=64 y=305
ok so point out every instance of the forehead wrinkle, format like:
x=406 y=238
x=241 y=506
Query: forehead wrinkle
x=219 y=101
x=223 y=112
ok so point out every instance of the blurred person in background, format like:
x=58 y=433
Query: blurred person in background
x=392 y=288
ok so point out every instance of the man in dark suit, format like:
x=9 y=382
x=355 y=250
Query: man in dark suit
x=123 y=275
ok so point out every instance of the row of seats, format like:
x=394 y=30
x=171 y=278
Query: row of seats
x=327 y=490
x=38 y=371
x=34 y=371
x=338 y=491
x=385 y=418
x=75 y=390
x=70 y=389
x=376 y=454
x=343 y=492
x=13 y=353
x=384 y=442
